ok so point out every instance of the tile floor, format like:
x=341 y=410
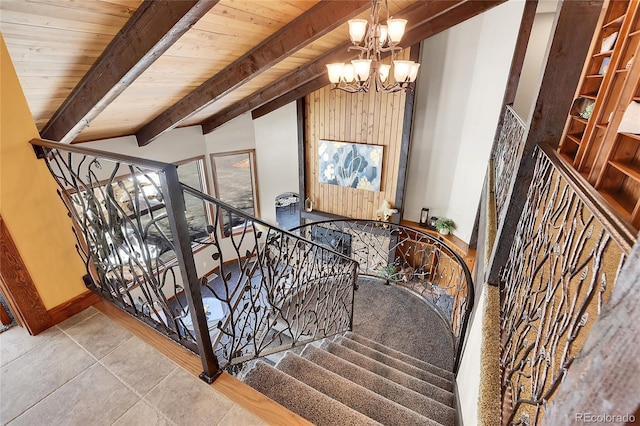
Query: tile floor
x=90 y=371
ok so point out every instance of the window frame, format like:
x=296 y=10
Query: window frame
x=253 y=169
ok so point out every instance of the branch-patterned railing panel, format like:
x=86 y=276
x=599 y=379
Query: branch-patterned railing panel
x=406 y=257
x=506 y=155
x=124 y=238
x=561 y=268
x=279 y=290
x=269 y=290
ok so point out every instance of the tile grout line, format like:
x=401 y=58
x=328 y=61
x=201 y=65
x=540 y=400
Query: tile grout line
x=63 y=332
x=30 y=350
x=116 y=376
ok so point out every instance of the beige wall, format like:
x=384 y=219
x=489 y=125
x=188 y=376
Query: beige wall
x=29 y=204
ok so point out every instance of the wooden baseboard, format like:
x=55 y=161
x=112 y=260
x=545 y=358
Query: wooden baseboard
x=240 y=393
x=71 y=307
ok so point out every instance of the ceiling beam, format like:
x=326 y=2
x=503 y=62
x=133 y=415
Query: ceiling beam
x=151 y=30
x=314 y=23
x=306 y=75
x=414 y=35
x=425 y=20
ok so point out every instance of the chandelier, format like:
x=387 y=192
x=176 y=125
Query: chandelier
x=373 y=39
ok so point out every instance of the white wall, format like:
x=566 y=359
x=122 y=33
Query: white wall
x=170 y=147
x=533 y=62
x=458 y=100
x=276 y=136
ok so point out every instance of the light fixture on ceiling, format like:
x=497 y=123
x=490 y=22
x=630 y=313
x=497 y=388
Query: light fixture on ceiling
x=373 y=39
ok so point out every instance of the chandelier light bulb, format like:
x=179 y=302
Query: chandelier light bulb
x=384 y=72
x=383 y=34
x=414 y=72
x=402 y=70
x=396 y=29
x=335 y=72
x=347 y=73
x=361 y=68
x=357 y=30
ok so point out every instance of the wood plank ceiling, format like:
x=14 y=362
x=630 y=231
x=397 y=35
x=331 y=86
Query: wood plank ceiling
x=96 y=69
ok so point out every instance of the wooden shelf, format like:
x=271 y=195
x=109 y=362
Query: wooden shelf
x=574 y=139
x=631 y=135
x=622 y=205
x=627 y=169
x=601 y=54
x=615 y=22
x=608 y=160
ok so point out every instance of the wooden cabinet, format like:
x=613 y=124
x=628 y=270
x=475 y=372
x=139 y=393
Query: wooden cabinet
x=591 y=143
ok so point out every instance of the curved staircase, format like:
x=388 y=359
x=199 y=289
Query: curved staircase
x=352 y=380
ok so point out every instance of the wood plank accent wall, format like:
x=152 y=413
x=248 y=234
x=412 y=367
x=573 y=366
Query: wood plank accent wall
x=370 y=118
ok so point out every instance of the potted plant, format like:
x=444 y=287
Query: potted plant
x=388 y=273
x=445 y=226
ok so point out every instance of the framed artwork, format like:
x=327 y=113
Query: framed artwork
x=352 y=165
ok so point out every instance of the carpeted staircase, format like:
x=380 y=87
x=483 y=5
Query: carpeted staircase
x=352 y=380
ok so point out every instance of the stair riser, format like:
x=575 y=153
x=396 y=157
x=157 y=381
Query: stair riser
x=401 y=356
x=385 y=387
x=382 y=370
x=397 y=364
x=352 y=395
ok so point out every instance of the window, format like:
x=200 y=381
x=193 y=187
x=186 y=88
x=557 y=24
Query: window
x=234 y=178
x=192 y=173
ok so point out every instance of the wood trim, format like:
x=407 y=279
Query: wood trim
x=152 y=29
x=71 y=307
x=254 y=179
x=620 y=230
x=524 y=34
x=240 y=393
x=301 y=112
x=5 y=319
x=573 y=30
x=311 y=25
x=468 y=254
x=405 y=142
x=18 y=288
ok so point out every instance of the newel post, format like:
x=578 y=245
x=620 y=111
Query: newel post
x=174 y=201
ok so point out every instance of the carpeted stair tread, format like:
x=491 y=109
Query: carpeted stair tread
x=303 y=399
x=349 y=393
x=379 y=368
x=400 y=355
x=395 y=363
x=436 y=406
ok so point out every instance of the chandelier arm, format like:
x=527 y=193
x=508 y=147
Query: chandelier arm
x=371 y=47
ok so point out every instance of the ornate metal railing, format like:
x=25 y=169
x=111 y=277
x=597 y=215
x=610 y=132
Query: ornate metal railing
x=561 y=268
x=505 y=157
x=269 y=289
x=279 y=290
x=410 y=258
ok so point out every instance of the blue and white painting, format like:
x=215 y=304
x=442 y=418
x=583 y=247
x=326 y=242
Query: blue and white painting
x=350 y=164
